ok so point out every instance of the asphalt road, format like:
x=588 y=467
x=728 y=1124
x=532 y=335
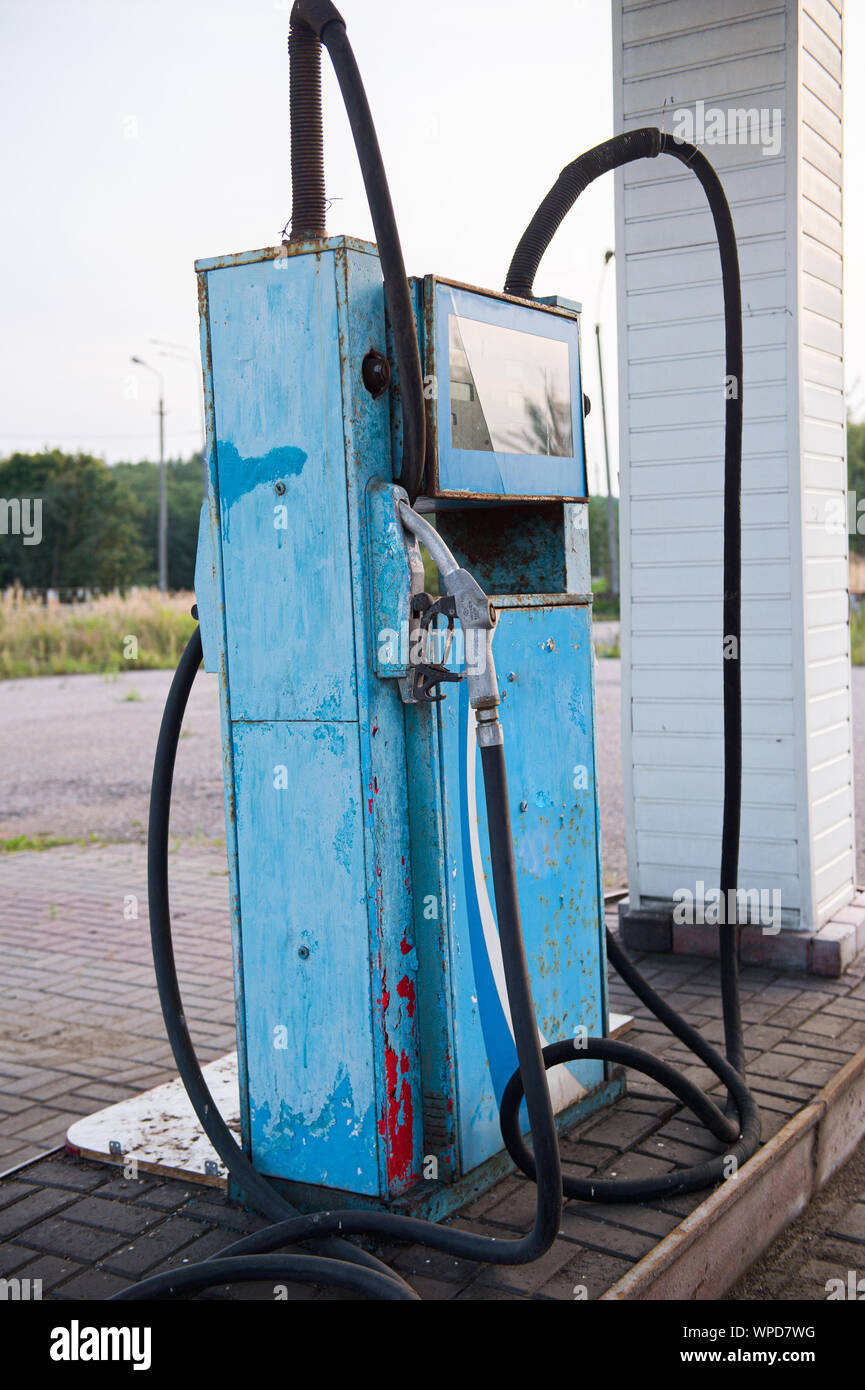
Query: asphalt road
x=76 y=754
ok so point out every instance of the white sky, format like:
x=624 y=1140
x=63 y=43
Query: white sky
x=140 y=134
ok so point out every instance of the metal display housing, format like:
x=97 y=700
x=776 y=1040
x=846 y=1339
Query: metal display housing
x=466 y=474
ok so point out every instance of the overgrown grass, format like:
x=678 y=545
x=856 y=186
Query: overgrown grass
x=857 y=636
x=145 y=630
x=603 y=650
x=16 y=843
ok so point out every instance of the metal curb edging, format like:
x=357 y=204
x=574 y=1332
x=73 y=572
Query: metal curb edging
x=707 y=1252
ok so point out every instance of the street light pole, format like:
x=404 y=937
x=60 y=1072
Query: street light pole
x=180 y=353
x=162 y=539
x=612 y=530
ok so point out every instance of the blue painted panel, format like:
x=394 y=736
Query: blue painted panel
x=547 y=719
x=207 y=593
x=392 y=955
x=498 y=473
x=300 y=836
x=278 y=407
x=329 y=849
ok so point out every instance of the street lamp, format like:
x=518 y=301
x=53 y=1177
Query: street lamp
x=178 y=352
x=162 y=545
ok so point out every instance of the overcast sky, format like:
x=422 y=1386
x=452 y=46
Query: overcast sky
x=140 y=134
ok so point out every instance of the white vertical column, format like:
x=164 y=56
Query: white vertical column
x=758 y=86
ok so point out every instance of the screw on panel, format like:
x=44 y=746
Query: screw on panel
x=524 y=805
x=279 y=487
x=303 y=952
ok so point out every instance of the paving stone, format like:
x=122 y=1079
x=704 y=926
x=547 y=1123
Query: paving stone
x=30 y=1209
x=10 y=1191
x=126 y=1218
x=604 y=1236
x=431 y=1264
x=12 y=1257
x=636 y=1165
x=93 y=1285
x=516 y=1210
x=487 y=1200
x=132 y=1189
x=591 y=1156
x=475 y=1292
x=588 y=1275
x=434 y=1290
x=50 y=1270
x=68 y=1172
x=527 y=1279
x=814 y=1073
x=673 y=1151
x=58 y=1237
x=774 y=1064
x=202 y=1248
x=622 y=1128
x=633 y=1216
x=141 y=1256
x=170 y=1195
x=223 y=1213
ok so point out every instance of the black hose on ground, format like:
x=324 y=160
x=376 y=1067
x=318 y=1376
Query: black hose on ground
x=323 y=21
x=574 y=178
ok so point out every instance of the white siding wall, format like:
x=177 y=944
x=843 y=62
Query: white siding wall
x=822 y=424
x=797 y=801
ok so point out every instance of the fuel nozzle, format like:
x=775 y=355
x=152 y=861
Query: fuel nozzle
x=476 y=615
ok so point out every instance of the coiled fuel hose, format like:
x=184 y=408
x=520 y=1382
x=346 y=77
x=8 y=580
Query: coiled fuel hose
x=335 y=1261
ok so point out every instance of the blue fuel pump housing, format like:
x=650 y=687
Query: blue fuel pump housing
x=374 y=1034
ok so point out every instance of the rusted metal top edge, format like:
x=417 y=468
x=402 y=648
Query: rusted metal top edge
x=289 y=248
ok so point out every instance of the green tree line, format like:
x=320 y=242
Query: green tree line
x=98 y=523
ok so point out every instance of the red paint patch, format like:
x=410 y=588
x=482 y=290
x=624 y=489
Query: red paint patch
x=405 y=990
x=398 y=1135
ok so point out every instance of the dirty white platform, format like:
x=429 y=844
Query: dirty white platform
x=619 y=1024
x=159 y=1129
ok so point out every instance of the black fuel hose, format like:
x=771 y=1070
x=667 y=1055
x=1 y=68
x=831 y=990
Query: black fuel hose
x=647 y=143
x=308 y=201
x=319 y=21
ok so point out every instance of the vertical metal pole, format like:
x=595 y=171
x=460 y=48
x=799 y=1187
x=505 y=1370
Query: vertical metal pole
x=163 y=502
x=612 y=529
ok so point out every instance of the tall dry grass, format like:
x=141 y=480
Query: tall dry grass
x=55 y=639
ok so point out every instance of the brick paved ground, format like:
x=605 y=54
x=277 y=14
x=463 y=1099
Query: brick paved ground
x=81 y=1020
x=80 y=1025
